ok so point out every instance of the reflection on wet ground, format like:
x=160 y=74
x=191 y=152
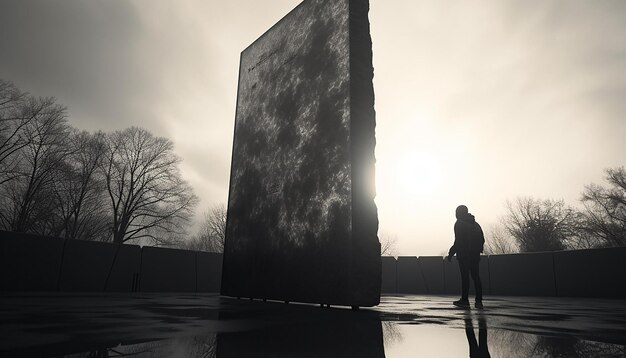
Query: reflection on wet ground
x=214 y=326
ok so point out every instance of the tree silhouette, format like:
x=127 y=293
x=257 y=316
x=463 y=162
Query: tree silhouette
x=499 y=241
x=148 y=197
x=539 y=225
x=59 y=181
x=212 y=232
x=79 y=189
x=33 y=150
x=604 y=214
x=13 y=117
x=388 y=244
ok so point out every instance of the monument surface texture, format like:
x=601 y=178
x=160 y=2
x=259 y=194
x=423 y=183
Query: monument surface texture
x=302 y=222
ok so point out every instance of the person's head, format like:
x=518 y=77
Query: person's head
x=461 y=211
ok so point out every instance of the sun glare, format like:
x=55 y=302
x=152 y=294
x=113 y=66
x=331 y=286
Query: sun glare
x=417 y=174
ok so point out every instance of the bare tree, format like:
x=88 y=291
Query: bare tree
x=148 y=198
x=212 y=232
x=539 y=225
x=14 y=115
x=79 y=189
x=41 y=148
x=388 y=244
x=499 y=241
x=604 y=214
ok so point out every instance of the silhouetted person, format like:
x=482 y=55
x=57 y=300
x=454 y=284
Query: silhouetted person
x=468 y=244
x=477 y=349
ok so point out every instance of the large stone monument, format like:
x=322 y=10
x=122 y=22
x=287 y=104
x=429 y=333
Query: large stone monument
x=302 y=222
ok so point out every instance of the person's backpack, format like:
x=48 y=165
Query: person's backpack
x=477 y=238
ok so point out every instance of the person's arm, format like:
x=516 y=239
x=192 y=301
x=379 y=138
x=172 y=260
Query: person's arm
x=453 y=249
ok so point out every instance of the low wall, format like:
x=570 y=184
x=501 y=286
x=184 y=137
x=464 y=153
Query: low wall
x=389 y=275
x=208 y=263
x=522 y=274
x=124 y=275
x=591 y=273
x=409 y=276
x=86 y=266
x=597 y=273
x=167 y=270
x=30 y=263
x=432 y=271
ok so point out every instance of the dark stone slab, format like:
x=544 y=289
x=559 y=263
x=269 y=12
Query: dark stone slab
x=167 y=270
x=209 y=271
x=302 y=221
x=452 y=277
x=29 y=262
x=410 y=277
x=597 y=273
x=522 y=274
x=86 y=266
x=389 y=275
x=124 y=275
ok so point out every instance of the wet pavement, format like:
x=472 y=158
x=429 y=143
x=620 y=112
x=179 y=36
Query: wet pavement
x=144 y=325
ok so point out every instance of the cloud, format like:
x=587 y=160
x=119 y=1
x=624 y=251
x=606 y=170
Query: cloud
x=81 y=52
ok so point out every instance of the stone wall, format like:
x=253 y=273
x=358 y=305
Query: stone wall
x=30 y=263
x=599 y=273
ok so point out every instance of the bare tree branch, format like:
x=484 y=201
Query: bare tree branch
x=30 y=160
x=148 y=197
x=604 y=214
x=388 y=244
x=212 y=233
x=539 y=225
x=499 y=241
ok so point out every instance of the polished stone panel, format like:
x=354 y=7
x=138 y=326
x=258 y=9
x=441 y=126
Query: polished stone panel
x=591 y=273
x=389 y=275
x=208 y=271
x=29 y=262
x=302 y=221
x=167 y=270
x=530 y=274
x=431 y=268
x=124 y=275
x=86 y=266
x=410 y=278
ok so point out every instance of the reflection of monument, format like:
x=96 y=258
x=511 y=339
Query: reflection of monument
x=302 y=221
x=333 y=334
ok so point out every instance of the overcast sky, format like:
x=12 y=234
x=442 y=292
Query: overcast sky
x=477 y=101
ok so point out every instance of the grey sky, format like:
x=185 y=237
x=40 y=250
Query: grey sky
x=477 y=101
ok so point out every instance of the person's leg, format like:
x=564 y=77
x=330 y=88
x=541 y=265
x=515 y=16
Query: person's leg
x=483 y=348
x=471 y=338
x=473 y=269
x=464 y=267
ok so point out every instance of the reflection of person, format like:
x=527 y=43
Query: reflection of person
x=468 y=244
x=480 y=348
